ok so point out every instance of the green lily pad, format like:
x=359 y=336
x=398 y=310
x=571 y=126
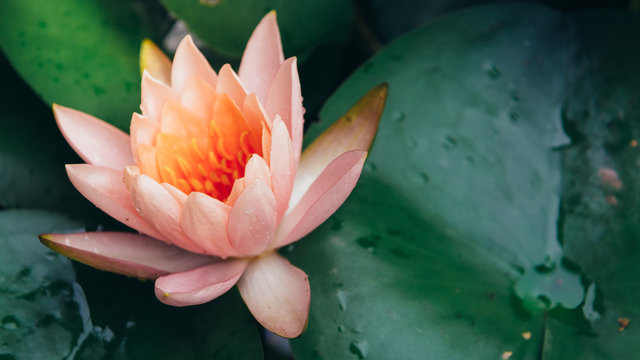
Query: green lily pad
x=51 y=309
x=81 y=54
x=226 y=25
x=458 y=226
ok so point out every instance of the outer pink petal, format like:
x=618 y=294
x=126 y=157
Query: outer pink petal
x=199 y=285
x=180 y=197
x=143 y=131
x=285 y=99
x=160 y=209
x=282 y=166
x=96 y=141
x=189 y=61
x=262 y=57
x=155 y=94
x=323 y=198
x=104 y=188
x=204 y=221
x=125 y=253
x=277 y=294
x=230 y=84
x=355 y=130
x=252 y=220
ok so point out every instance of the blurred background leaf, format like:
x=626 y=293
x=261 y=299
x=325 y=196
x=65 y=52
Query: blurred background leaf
x=226 y=25
x=81 y=54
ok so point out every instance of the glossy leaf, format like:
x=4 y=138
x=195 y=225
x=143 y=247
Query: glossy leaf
x=227 y=25
x=81 y=54
x=450 y=247
x=50 y=309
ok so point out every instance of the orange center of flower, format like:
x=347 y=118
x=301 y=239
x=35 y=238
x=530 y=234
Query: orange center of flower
x=203 y=153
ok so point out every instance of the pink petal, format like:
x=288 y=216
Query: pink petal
x=125 y=253
x=262 y=57
x=204 y=221
x=104 y=188
x=255 y=169
x=323 y=198
x=189 y=61
x=277 y=294
x=284 y=99
x=143 y=131
x=199 y=285
x=155 y=94
x=230 y=84
x=155 y=61
x=256 y=118
x=252 y=220
x=198 y=96
x=178 y=195
x=236 y=190
x=282 y=166
x=159 y=208
x=355 y=130
x=96 y=141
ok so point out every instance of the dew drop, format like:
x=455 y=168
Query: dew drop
x=249 y=210
x=360 y=348
x=340 y=328
x=398 y=116
x=9 y=322
x=370 y=166
x=493 y=72
x=342 y=299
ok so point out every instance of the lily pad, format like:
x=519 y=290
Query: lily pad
x=51 y=309
x=81 y=54
x=459 y=220
x=226 y=25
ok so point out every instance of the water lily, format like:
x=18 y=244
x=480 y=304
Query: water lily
x=213 y=179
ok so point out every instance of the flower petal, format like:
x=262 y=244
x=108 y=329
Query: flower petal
x=155 y=94
x=124 y=253
x=199 y=285
x=256 y=168
x=282 y=166
x=105 y=189
x=355 y=130
x=230 y=84
x=204 y=220
x=155 y=61
x=160 y=209
x=198 y=96
x=284 y=99
x=96 y=141
x=277 y=294
x=143 y=131
x=262 y=57
x=189 y=61
x=323 y=198
x=256 y=118
x=252 y=220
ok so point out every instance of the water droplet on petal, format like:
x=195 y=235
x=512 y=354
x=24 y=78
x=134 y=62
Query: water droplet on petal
x=360 y=348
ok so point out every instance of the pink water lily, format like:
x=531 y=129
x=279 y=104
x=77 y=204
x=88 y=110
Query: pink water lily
x=213 y=179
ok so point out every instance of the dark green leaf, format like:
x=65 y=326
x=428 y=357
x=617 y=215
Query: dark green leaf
x=450 y=246
x=227 y=24
x=50 y=311
x=81 y=54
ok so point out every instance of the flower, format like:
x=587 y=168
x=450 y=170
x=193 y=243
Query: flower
x=213 y=179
